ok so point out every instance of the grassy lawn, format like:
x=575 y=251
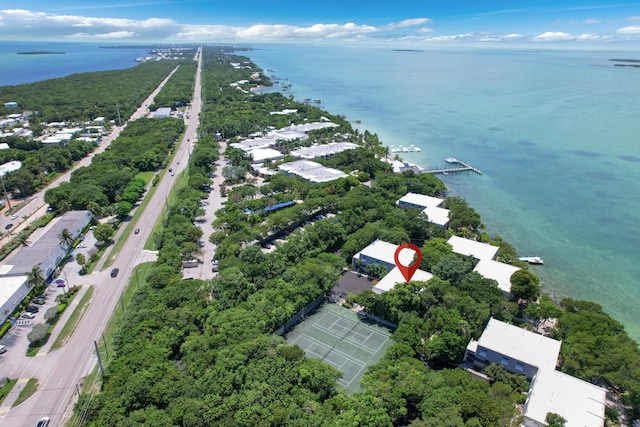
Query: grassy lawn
x=73 y=321
x=6 y=389
x=28 y=390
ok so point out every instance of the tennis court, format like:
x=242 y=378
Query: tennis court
x=337 y=336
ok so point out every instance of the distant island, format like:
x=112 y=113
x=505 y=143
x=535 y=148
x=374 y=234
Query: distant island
x=40 y=52
x=634 y=63
x=407 y=50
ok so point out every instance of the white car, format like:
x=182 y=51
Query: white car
x=14 y=216
x=28 y=315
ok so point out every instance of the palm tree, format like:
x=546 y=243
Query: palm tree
x=65 y=238
x=23 y=240
x=35 y=277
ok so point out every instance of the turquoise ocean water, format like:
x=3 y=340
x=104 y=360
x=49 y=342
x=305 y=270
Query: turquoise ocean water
x=556 y=133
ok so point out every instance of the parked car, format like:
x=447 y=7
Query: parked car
x=14 y=216
x=3 y=349
x=32 y=309
x=115 y=272
x=8 y=226
x=28 y=315
x=82 y=245
x=43 y=422
x=39 y=301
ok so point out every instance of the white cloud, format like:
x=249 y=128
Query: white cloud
x=590 y=21
x=558 y=36
x=19 y=24
x=115 y=35
x=414 y=22
x=631 y=29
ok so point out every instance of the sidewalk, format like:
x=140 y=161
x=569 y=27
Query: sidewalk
x=62 y=321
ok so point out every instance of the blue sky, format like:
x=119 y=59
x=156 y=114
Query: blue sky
x=411 y=23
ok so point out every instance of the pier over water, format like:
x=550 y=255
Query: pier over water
x=461 y=167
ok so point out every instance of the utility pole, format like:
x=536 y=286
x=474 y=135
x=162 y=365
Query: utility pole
x=6 y=196
x=95 y=344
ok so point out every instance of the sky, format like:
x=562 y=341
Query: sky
x=396 y=23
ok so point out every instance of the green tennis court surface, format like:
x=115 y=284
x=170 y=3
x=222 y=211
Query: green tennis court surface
x=337 y=336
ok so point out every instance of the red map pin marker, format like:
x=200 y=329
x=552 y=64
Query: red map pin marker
x=408 y=270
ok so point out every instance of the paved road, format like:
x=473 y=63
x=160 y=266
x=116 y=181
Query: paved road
x=66 y=367
x=36 y=205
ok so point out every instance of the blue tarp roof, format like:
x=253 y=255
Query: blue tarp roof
x=272 y=208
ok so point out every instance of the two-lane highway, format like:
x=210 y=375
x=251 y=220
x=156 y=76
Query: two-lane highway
x=77 y=358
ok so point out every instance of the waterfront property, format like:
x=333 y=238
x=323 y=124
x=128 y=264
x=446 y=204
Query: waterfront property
x=430 y=206
x=311 y=171
x=478 y=250
x=323 y=150
x=391 y=279
x=527 y=353
x=381 y=253
x=498 y=271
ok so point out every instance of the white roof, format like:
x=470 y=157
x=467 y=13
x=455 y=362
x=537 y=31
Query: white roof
x=385 y=252
x=259 y=155
x=579 y=402
x=395 y=276
x=11 y=166
x=420 y=200
x=498 y=271
x=9 y=286
x=520 y=344
x=312 y=171
x=306 y=127
x=323 y=150
x=69 y=131
x=475 y=249
x=436 y=215
x=4 y=146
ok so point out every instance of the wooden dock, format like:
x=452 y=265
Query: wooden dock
x=463 y=167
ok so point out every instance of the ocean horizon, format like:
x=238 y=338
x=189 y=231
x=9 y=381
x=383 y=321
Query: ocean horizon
x=18 y=69
x=553 y=131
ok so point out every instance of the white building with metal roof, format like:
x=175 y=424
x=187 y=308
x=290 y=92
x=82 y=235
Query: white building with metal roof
x=46 y=252
x=498 y=271
x=382 y=253
x=418 y=201
x=579 y=402
x=259 y=155
x=431 y=207
x=395 y=276
x=524 y=352
x=323 y=150
x=472 y=248
x=311 y=171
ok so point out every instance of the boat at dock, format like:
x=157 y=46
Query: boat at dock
x=535 y=260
